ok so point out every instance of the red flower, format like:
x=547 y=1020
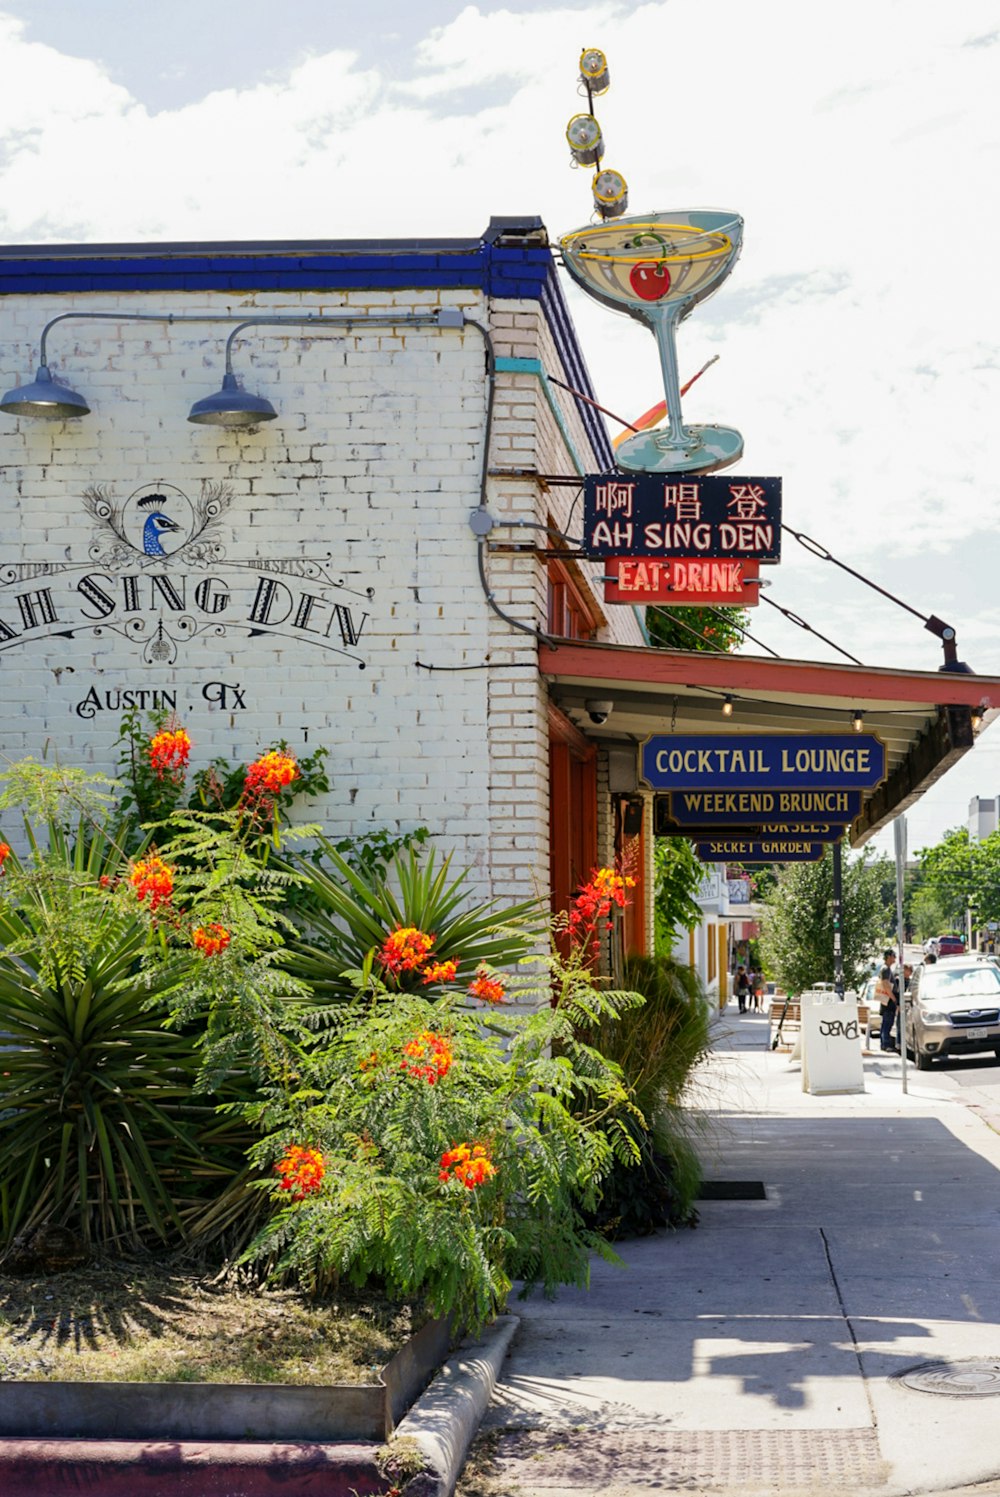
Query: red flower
x=428 y=1057
x=301 y=1171
x=151 y=876
x=4 y=854
x=270 y=774
x=439 y=972
x=211 y=939
x=489 y=989
x=169 y=751
x=407 y=949
x=469 y=1164
x=595 y=901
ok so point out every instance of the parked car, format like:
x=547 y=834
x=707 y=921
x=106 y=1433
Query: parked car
x=953 y=1008
x=952 y=945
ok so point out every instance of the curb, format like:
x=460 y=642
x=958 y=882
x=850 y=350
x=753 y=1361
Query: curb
x=164 y=1468
x=444 y=1420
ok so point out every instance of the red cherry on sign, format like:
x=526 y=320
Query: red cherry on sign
x=650 y=279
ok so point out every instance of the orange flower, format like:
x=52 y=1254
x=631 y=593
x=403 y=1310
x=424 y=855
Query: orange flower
x=151 y=876
x=270 y=774
x=405 y=950
x=489 y=989
x=169 y=751
x=428 y=1057
x=301 y=1171
x=211 y=939
x=593 y=904
x=4 y=854
x=439 y=972
x=470 y=1164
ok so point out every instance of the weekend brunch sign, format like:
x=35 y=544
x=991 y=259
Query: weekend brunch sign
x=826 y=761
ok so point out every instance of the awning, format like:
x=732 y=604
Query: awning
x=925 y=718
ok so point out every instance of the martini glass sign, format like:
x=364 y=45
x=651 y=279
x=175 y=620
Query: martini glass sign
x=656 y=268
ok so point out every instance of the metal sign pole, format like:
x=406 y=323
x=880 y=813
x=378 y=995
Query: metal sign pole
x=899 y=839
x=838 y=909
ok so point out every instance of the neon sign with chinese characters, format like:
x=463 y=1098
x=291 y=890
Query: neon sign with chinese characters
x=657 y=515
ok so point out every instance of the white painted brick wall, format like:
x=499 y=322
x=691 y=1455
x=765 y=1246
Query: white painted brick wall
x=370 y=470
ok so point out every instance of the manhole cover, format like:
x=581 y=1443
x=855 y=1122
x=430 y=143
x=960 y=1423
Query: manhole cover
x=731 y=1190
x=974 y=1378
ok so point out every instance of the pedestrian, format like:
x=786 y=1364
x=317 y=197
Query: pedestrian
x=742 y=988
x=758 y=992
x=886 y=991
x=907 y=974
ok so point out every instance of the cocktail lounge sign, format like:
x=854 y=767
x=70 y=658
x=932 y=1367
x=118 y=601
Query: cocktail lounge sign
x=158 y=575
x=664 y=515
x=705 y=762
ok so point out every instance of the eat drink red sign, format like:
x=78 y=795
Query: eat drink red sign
x=695 y=583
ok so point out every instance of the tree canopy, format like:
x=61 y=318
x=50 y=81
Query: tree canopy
x=797 y=935
x=709 y=629
x=955 y=874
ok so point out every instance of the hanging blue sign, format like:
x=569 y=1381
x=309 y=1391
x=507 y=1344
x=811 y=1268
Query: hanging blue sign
x=802 y=832
x=773 y=850
x=665 y=515
x=739 y=808
x=717 y=761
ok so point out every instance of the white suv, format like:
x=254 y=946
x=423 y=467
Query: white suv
x=953 y=1008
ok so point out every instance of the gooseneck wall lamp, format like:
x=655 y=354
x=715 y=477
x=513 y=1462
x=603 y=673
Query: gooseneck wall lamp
x=232 y=406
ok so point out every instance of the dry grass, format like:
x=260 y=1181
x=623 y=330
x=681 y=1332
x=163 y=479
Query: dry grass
x=146 y=1323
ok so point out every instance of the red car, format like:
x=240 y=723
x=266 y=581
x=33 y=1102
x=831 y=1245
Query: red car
x=950 y=946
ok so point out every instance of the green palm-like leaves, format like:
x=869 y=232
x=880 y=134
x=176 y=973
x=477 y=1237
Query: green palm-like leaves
x=349 y=914
x=99 y=1129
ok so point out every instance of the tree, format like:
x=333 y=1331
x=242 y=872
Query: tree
x=709 y=629
x=797 y=938
x=958 y=873
x=679 y=876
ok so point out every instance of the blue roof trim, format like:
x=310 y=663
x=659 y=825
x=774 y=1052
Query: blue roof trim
x=500 y=270
x=577 y=374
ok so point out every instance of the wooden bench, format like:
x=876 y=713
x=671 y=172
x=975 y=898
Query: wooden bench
x=793 y=1023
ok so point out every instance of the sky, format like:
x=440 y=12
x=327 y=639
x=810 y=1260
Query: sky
x=858 y=336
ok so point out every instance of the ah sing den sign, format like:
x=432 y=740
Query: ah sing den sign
x=658 y=516
x=697 y=584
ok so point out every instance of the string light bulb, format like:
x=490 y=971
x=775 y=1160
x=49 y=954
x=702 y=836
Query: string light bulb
x=727 y=707
x=858 y=721
x=978 y=713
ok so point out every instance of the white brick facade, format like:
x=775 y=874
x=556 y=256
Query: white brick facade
x=366 y=479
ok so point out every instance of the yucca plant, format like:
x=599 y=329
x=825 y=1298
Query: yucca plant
x=349 y=911
x=100 y=1129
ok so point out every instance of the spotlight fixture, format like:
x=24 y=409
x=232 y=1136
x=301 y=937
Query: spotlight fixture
x=727 y=707
x=44 y=398
x=585 y=142
x=231 y=406
x=594 y=70
x=610 y=193
x=857 y=721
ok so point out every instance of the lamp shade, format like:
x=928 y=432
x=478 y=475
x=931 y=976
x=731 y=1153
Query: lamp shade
x=232 y=406
x=44 y=398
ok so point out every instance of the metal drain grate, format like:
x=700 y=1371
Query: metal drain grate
x=732 y=1190
x=975 y=1377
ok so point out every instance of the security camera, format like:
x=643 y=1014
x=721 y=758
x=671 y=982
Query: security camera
x=599 y=712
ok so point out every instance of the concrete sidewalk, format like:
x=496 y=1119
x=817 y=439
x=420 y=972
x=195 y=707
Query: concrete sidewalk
x=757 y=1353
